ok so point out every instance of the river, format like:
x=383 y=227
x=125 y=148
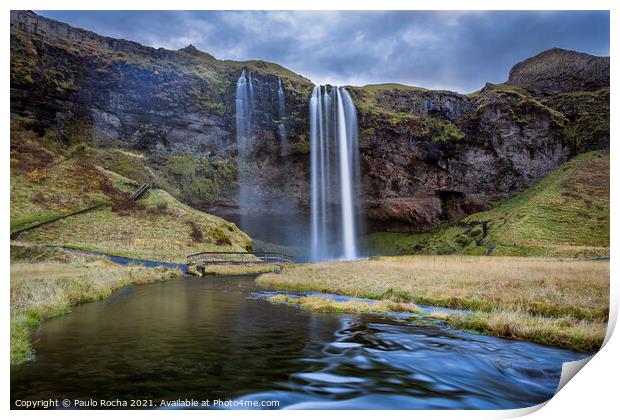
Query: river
x=218 y=338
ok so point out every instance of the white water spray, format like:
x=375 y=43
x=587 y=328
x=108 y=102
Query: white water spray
x=281 y=115
x=244 y=103
x=334 y=169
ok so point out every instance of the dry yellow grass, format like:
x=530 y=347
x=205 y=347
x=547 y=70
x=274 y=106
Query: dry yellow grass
x=324 y=304
x=238 y=270
x=45 y=289
x=579 y=335
x=536 y=285
x=550 y=301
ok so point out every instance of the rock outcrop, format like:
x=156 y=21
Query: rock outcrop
x=556 y=70
x=427 y=156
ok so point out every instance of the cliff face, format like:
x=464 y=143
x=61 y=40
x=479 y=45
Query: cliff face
x=164 y=104
x=439 y=155
x=427 y=156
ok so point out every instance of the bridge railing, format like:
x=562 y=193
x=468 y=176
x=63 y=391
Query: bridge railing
x=230 y=257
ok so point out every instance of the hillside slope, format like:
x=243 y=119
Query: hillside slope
x=566 y=214
x=50 y=179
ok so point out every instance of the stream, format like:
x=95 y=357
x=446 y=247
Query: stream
x=219 y=338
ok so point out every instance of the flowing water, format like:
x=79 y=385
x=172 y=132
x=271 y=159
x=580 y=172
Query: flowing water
x=334 y=162
x=218 y=338
x=244 y=104
x=281 y=117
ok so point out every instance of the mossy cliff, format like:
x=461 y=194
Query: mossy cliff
x=176 y=108
x=566 y=214
x=436 y=156
x=428 y=156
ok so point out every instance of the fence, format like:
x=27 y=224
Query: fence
x=240 y=258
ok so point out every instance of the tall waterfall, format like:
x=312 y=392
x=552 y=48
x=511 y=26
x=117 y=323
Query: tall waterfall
x=335 y=174
x=243 y=108
x=281 y=115
x=244 y=103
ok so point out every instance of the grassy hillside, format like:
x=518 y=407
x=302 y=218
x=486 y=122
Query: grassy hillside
x=566 y=214
x=51 y=179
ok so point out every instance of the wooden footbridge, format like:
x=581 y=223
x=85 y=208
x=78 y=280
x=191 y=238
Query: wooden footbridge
x=239 y=258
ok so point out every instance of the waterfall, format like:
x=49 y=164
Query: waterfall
x=281 y=116
x=243 y=107
x=334 y=167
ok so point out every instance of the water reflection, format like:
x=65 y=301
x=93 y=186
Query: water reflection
x=205 y=338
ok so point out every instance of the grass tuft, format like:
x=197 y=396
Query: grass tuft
x=324 y=304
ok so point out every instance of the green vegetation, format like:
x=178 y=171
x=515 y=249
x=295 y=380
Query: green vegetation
x=566 y=214
x=578 y=335
x=324 y=304
x=542 y=296
x=442 y=131
x=156 y=228
x=23 y=60
x=46 y=283
x=131 y=165
x=300 y=145
x=587 y=128
x=47 y=182
x=234 y=270
x=403 y=108
x=199 y=180
x=518 y=103
x=186 y=81
x=588 y=114
x=31 y=220
x=380 y=87
x=378 y=103
x=394 y=243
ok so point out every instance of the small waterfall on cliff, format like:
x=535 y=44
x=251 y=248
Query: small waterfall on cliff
x=243 y=107
x=281 y=116
x=335 y=174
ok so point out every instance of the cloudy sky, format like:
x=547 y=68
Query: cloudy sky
x=442 y=50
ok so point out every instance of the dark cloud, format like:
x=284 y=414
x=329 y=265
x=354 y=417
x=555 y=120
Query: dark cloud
x=448 y=50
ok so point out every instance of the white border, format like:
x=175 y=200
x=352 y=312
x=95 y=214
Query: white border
x=593 y=395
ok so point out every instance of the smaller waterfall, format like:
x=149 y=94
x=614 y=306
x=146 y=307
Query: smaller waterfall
x=281 y=117
x=334 y=162
x=244 y=104
x=243 y=108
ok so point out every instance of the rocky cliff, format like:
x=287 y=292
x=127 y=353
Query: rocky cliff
x=175 y=107
x=427 y=156
x=556 y=71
